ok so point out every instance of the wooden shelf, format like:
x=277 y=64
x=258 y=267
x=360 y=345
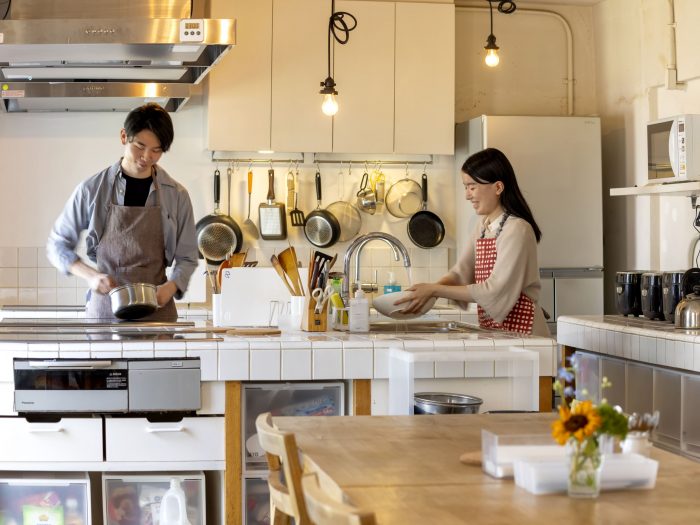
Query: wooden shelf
x=673 y=189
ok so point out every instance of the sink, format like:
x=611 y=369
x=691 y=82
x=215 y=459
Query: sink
x=423 y=327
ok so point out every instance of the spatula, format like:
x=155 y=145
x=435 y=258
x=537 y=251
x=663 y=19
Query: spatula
x=288 y=260
x=296 y=215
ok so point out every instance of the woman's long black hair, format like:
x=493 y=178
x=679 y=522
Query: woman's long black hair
x=491 y=165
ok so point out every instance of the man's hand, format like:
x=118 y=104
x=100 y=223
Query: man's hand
x=165 y=292
x=101 y=283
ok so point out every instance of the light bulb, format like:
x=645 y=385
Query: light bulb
x=330 y=105
x=491 y=58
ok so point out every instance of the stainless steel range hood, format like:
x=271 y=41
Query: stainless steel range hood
x=59 y=57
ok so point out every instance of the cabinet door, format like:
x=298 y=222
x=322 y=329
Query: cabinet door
x=240 y=85
x=424 y=78
x=691 y=416
x=578 y=296
x=588 y=377
x=364 y=72
x=639 y=397
x=667 y=400
x=614 y=370
x=299 y=49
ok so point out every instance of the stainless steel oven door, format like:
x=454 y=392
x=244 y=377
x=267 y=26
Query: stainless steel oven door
x=70 y=385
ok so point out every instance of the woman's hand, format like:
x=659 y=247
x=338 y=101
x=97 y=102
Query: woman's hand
x=415 y=302
x=101 y=283
x=165 y=292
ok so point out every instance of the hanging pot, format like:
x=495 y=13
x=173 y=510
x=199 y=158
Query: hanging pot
x=321 y=227
x=425 y=228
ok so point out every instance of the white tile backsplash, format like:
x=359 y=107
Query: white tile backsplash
x=46 y=296
x=65 y=296
x=46 y=277
x=42 y=260
x=8 y=257
x=27 y=277
x=27 y=257
x=8 y=278
x=66 y=281
x=8 y=296
x=24 y=296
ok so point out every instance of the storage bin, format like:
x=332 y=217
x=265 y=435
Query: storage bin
x=135 y=498
x=500 y=451
x=45 y=498
x=256 y=502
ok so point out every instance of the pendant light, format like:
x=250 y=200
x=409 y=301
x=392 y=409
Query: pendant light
x=336 y=22
x=506 y=7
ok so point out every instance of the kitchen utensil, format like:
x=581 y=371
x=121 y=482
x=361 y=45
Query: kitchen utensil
x=687 y=313
x=271 y=215
x=384 y=304
x=349 y=217
x=133 y=300
x=296 y=215
x=229 y=173
x=248 y=225
x=403 y=198
x=320 y=297
x=652 y=296
x=444 y=403
x=289 y=262
x=628 y=289
x=250 y=264
x=690 y=278
x=366 y=198
x=280 y=271
x=253 y=331
x=291 y=190
x=321 y=227
x=235 y=260
x=425 y=228
x=379 y=185
x=218 y=235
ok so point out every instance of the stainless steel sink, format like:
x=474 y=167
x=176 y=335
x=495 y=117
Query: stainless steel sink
x=423 y=327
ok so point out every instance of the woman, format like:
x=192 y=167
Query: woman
x=499 y=270
x=138 y=221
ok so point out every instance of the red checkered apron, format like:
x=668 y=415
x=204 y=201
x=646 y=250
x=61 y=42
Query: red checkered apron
x=521 y=317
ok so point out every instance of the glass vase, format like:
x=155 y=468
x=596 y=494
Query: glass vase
x=585 y=463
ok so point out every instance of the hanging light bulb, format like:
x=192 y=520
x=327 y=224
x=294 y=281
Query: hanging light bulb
x=330 y=104
x=491 y=59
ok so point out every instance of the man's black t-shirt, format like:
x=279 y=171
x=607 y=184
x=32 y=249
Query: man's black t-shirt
x=136 y=190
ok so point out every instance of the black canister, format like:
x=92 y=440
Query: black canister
x=652 y=296
x=672 y=291
x=628 y=288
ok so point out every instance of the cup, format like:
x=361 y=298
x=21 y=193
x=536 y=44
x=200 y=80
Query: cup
x=339 y=318
x=216 y=313
x=293 y=313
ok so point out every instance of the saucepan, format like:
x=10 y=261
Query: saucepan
x=133 y=301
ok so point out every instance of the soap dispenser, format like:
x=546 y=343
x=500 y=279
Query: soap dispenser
x=359 y=313
x=392 y=286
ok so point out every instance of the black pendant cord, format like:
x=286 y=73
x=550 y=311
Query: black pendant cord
x=491 y=16
x=7 y=10
x=339 y=29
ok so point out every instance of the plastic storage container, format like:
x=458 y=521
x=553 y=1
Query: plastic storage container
x=499 y=451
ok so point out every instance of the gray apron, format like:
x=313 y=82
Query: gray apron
x=132 y=250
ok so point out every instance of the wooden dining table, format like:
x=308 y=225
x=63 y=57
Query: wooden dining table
x=407 y=470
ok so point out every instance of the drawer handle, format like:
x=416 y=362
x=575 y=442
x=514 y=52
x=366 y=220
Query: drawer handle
x=45 y=428
x=154 y=430
x=63 y=365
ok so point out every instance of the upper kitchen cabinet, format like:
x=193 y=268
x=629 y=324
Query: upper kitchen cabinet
x=240 y=86
x=424 y=78
x=364 y=72
x=299 y=44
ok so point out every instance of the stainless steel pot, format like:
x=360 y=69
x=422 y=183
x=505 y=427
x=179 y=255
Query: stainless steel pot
x=444 y=403
x=687 y=313
x=133 y=300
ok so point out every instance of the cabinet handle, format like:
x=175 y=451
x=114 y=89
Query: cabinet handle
x=153 y=430
x=45 y=428
x=63 y=365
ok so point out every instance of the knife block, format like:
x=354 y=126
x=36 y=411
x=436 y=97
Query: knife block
x=311 y=321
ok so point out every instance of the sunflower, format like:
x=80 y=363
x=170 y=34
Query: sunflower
x=579 y=422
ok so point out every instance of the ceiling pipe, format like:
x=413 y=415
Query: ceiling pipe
x=569 y=46
x=671 y=67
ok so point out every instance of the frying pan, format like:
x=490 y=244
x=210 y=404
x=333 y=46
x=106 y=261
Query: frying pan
x=321 y=227
x=425 y=229
x=218 y=235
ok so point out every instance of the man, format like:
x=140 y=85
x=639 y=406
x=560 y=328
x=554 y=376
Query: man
x=138 y=220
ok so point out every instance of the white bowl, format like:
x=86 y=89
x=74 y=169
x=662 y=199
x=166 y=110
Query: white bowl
x=384 y=304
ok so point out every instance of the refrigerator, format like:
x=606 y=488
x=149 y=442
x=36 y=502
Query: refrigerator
x=557 y=162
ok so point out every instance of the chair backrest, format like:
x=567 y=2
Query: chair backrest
x=282 y=458
x=324 y=510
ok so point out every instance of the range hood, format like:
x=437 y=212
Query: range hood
x=58 y=57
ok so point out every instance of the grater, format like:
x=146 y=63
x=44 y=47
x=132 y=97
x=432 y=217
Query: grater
x=271 y=214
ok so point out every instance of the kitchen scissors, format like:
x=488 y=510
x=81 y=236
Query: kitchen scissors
x=321 y=296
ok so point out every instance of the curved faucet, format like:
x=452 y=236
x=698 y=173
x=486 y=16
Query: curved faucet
x=356 y=248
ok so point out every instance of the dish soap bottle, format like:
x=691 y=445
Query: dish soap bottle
x=392 y=286
x=173 y=505
x=359 y=313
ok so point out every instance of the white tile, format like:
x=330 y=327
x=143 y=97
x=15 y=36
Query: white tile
x=46 y=277
x=327 y=363
x=438 y=258
x=208 y=362
x=46 y=296
x=27 y=257
x=436 y=273
x=296 y=364
x=696 y=357
x=357 y=363
x=65 y=296
x=688 y=358
x=66 y=281
x=42 y=261
x=626 y=346
x=420 y=258
x=10 y=296
x=233 y=364
x=27 y=277
x=660 y=356
x=381 y=256
x=634 y=346
x=619 y=338
x=265 y=364
x=424 y=370
x=381 y=363
x=445 y=369
x=8 y=277
x=420 y=275
x=27 y=296
x=7 y=354
x=8 y=257
x=480 y=369
x=169 y=353
x=647 y=345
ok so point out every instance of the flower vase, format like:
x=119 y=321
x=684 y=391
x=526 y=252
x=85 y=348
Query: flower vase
x=585 y=463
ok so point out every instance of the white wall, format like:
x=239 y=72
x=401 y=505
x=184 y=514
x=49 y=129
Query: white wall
x=631 y=38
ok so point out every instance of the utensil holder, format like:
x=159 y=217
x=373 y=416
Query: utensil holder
x=312 y=321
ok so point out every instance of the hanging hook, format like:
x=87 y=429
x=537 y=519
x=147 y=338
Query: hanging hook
x=271 y=164
x=425 y=166
x=250 y=166
x=349 y=168
x=318 y=167
x=407 y=170
x=366 y=165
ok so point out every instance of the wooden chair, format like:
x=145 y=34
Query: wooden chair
x=324 y=510
x=284 y=481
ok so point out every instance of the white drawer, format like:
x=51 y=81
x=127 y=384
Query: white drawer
x=192 y=439
x=69 y=440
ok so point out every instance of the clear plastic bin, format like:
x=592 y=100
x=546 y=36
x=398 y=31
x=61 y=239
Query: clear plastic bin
x=339 y=318
x=256 y=502
x=499 y=451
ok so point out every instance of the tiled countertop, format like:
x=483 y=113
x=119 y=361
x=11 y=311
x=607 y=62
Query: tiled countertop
x=638 y=339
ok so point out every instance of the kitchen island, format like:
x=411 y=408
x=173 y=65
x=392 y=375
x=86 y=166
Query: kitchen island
x=230 y=361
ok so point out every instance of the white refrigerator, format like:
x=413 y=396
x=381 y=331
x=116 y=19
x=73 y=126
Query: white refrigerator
x=557 y=161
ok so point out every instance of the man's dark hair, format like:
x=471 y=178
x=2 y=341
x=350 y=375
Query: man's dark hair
x=153 y=118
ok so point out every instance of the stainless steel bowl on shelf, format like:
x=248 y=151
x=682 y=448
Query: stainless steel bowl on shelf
x=133 y=300
x=445 y=403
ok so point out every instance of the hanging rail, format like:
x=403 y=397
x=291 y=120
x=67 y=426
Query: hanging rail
x=313 y=160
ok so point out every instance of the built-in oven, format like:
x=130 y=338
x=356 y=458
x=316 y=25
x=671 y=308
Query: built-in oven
x=68 y=386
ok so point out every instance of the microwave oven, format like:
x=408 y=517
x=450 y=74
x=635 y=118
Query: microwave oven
x=673 y=149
